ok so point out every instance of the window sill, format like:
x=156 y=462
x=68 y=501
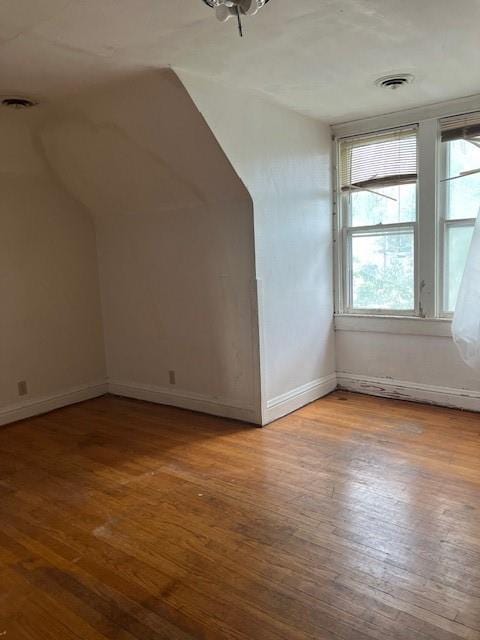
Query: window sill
x=407 y=325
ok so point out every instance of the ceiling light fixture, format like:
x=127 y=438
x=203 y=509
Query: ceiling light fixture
x=226 y=9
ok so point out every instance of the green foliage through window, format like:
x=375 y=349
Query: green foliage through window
x=383 y=271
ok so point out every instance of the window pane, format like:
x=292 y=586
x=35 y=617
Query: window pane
x=368 y=208
x=383 y=271
x=463 y=194
x=457 y=246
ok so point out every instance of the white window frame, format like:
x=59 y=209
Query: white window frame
x=344 y=235
x=429 y=276
x=444 y=224
x=348 y=233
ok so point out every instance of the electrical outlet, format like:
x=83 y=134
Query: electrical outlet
x=172 y=377
x=22 y=388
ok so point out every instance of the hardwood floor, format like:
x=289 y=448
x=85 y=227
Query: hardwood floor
x=354 y=518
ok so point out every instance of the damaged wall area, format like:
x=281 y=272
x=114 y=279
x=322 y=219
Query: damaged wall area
x=424 y=368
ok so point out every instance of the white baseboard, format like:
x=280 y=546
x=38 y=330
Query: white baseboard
x=191 y=401
x=35 y=407
x=299 y=397
x=276 y=408
x=412 y=391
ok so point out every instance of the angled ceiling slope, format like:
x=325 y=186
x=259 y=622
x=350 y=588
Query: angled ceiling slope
x=137 y=146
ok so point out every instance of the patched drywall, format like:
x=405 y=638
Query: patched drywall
x=175 y=243
x=285 y=161
x=50 y=322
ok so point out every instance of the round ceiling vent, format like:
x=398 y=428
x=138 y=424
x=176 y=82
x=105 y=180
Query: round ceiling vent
x=15 y=102
x=394 y=82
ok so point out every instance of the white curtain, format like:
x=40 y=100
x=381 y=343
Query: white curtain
x=466 y=320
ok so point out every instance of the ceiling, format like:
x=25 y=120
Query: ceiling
x=319 y=57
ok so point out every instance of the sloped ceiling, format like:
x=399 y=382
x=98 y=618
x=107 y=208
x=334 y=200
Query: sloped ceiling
x=139 y=147
x=319 y=57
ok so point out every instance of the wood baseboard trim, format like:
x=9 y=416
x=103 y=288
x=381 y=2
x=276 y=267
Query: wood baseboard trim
x=296 y=398
x=411 y=391
x=35 y=407
x=190 y=401
x=275 y=409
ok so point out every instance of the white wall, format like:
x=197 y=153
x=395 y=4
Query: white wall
x=135 y=172
x=284 y=160
x=175 y=244
x=50 y=320
x=177 y=247
x=415 y=367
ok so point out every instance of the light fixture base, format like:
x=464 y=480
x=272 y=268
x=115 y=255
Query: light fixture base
x=226 y=9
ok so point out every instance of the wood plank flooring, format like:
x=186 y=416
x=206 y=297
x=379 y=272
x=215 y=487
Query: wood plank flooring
x=355 y=518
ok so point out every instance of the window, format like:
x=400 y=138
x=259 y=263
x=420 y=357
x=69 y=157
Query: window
x=460 y=198
x=407 y=201
x=378 y=180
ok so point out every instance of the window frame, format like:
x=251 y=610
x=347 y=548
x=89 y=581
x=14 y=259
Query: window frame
x=444 y=224
x=380 y=229
x=345 y=232
x=430 y=280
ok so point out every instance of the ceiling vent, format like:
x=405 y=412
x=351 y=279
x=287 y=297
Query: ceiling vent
x=394 y=82
x=15 y=102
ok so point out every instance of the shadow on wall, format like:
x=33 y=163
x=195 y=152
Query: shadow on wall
x=50 y=323
x=175 y=237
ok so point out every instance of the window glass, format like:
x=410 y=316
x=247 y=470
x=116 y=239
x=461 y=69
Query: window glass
x=383 y=270
x=461 y=202
x=457 y=245
x=463 y=193
x=387 y=205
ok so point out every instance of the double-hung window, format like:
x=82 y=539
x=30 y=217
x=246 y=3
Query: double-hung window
x=459 y=198
x=378 y=193
x=406 y=205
